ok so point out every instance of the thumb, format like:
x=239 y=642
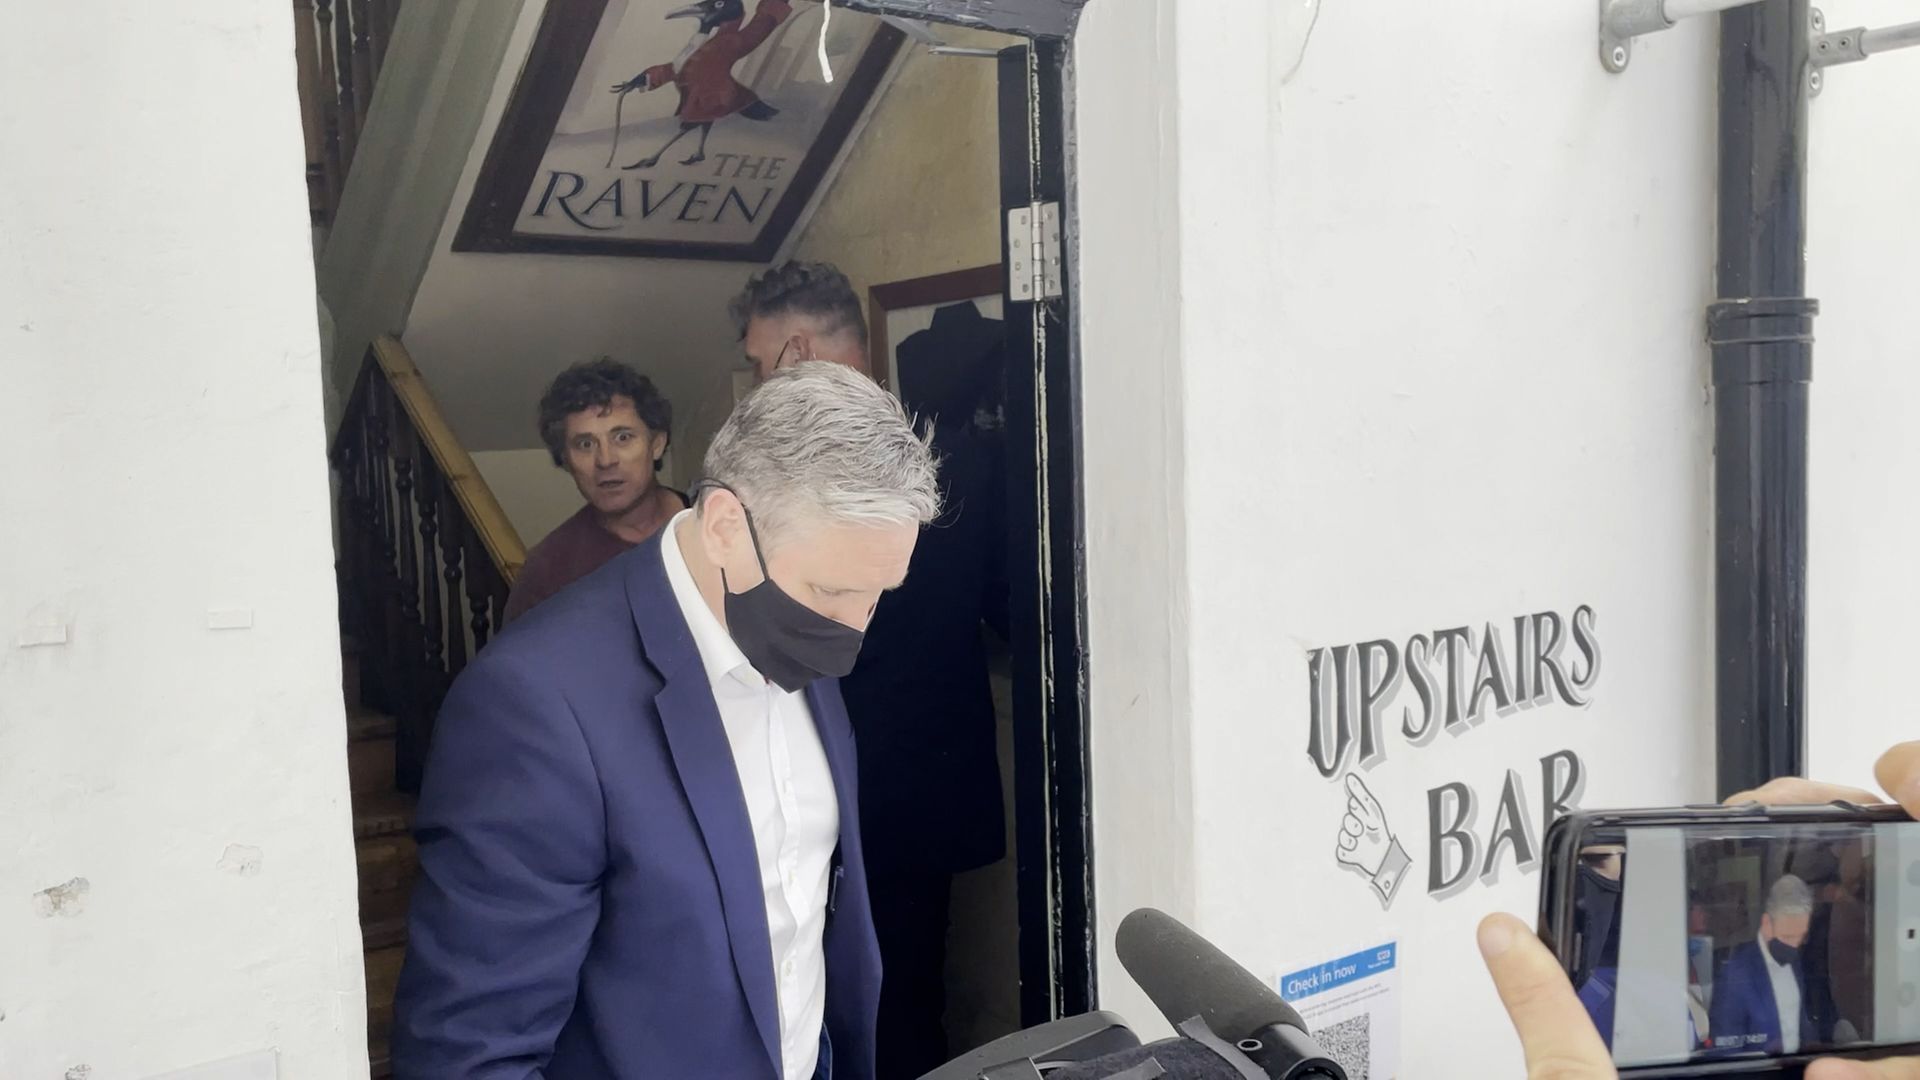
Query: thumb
x=1889 y=1069
x=1555 y=1032
x=1898 y=771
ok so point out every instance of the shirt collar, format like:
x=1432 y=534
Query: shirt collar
x=718 y=653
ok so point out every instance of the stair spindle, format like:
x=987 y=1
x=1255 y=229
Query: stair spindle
x=428 y=496
x=346 y=463
x=348 y=111
x=329 y=104
x=363 y=68
x=409 y=560
x=384 y=588
x=480 y=575
x=453 y=542
x=411 y=744
x=313 y=124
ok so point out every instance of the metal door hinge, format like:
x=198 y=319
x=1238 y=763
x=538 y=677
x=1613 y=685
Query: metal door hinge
x=1033 y=253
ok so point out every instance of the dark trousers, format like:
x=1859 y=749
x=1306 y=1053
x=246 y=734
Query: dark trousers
x=910 y=913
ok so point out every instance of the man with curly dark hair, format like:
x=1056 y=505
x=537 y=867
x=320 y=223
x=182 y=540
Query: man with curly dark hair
x=608 y=426
x=800 y=311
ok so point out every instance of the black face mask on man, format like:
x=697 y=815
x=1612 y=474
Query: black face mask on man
x=1783 y=954
x=786 y=641
x=1597 y=911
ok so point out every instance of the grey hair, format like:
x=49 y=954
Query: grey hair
x=822 y=443
x=1789 y=896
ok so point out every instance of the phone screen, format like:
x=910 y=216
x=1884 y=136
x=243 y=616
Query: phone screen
x=1714 y=942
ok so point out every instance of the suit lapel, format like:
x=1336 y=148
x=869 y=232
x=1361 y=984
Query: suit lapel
x=836 y=738
x=704 y=761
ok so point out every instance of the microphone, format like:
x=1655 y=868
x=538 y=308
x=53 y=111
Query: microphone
x=1187 y=978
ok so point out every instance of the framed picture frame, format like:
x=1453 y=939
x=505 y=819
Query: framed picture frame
x=898 y=309
x=673 y=130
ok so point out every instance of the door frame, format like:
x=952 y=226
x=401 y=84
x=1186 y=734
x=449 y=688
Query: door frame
x=1052 y=765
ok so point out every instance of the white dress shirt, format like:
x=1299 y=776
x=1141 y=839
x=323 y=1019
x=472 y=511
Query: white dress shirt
x=790 y=802
x=1786 y=999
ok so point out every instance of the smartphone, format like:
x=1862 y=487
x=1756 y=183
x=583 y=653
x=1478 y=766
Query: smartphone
x=1709 y=941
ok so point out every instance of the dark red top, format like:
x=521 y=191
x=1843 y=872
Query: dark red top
x=577 y=547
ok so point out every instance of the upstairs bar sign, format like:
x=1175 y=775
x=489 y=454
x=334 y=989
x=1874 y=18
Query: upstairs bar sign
x=668 y=129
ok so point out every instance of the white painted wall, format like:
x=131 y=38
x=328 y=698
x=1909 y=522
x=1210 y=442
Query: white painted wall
x=160 y=407
x=1864 y=537
x=1382 y=336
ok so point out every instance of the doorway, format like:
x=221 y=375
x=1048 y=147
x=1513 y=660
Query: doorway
x=1019 y=947
x=949 y=210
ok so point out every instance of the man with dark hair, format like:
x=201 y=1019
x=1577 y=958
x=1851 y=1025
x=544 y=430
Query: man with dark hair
x=920 y=697
x=799 y=311
x=608 y=427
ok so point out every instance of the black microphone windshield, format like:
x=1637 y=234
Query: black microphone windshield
x=1187 y=977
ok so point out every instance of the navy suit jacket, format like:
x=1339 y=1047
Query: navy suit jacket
x=590 y=902
x=1744 y=1017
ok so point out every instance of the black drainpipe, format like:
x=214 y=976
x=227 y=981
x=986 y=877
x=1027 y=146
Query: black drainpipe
x=1761 y=330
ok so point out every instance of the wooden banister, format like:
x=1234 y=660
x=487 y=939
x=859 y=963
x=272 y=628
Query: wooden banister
x=427 y=556
x=497 y=534
x=339 y=49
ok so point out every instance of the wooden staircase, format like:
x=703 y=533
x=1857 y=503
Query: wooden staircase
x=339 y=47
x=388 y=861
x=426 y=559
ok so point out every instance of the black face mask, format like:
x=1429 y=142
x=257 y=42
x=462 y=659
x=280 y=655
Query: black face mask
x=1782 y=953
x=1598 y=910
x=785 y=640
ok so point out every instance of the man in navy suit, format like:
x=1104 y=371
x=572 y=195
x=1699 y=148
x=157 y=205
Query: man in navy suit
x=639 y=843
x=1760 y=998
x=921 y=698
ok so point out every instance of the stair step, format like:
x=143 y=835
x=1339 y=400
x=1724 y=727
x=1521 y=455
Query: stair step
x=370 y=753
x=350 y=674
x=370 y=766
x=388 y=866
x=383 y=977
x=365 y=725
x=381 y=814
x=383 y=934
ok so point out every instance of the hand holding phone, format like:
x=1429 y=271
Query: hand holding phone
x=1718 y=940
x=1898 y=773
x=1555 y=1034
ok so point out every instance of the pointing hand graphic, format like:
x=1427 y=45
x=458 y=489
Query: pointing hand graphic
x=1367 y=846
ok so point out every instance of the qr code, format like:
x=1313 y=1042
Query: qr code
x=1346 y=1042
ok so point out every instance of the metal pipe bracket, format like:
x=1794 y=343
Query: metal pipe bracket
x=1852 y=45
x=1623 y=20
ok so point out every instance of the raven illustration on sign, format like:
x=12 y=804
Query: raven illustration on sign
x=703 y=72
